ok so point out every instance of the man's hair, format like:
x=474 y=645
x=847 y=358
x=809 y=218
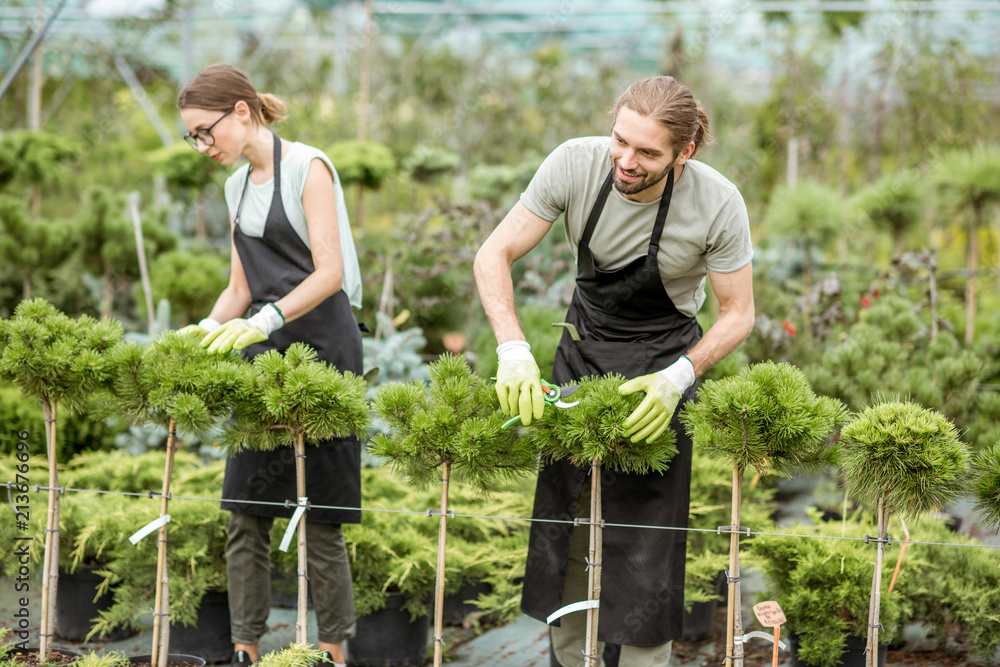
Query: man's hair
x=219 y=87
x=672 y=105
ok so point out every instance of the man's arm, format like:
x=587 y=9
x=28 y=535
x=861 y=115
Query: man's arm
x=519 y=232
x=736 y=316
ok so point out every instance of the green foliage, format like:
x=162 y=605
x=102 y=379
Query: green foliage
x=278 y=397
x=366 y=162
x=958 y=587
x=987 y=486
x=295 y=655
x=28 y=246
x=496 y=183
x=894 y=203
x=823 y=587
x=969 y=179
x=456 y=420
x=35 y=157
x=109 y=659
x=907 y=456
x=172 y=378
x=808 y=213
x=595 y=429
x=429 y=163
x=766 y=417
x=187 y=170
x=190 y=281
x=53 y=357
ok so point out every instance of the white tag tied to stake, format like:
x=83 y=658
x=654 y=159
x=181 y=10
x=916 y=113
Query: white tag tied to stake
x=299 y=511
x=148 y=528
x=759 y=635
x=570 y=608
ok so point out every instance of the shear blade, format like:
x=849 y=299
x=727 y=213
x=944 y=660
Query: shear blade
x=563 y=404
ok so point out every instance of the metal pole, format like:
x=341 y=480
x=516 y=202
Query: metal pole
x=143 y=99
x=29 y=48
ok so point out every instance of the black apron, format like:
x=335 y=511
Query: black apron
x=629 y=325
x=274 y=265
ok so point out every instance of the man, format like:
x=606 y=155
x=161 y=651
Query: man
x=648 y=224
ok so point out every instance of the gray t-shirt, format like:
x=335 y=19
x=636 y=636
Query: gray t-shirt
x=294 y=167
x=707 y=227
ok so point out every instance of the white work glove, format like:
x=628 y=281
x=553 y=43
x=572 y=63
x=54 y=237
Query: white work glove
x=663 y=393
x=519 y=385
x=202 y=329
x=239 y=333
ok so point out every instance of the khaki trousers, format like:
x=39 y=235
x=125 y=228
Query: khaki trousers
x=248 y=565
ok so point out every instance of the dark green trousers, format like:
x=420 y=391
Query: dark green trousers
x=248 y=565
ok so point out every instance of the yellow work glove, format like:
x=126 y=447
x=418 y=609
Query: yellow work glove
x=519 y=385
x=202 y=329
x=239 y=333
x=663 y=393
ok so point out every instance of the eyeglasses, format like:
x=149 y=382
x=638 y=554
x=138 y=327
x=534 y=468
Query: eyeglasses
x=204 y=136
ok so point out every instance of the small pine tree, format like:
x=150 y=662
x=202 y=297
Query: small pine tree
x=987 y=486
x=282 y=400
x=57 y=360
x=766 y=418
x=454 y=424
x=903 y=459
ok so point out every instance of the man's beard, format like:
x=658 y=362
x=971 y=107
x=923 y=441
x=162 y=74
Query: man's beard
x=635 y=187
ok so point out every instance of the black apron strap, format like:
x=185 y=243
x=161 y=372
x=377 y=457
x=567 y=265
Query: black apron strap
x=661 y=215
x=595 y=212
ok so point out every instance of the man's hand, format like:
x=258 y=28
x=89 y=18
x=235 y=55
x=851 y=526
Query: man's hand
x=239 y=333
x=202 y=329
x=519 y=386
x=663 y=393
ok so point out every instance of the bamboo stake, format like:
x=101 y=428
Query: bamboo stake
x=439 y=592
x=734 y=621
x=50 y=569
x=594 y=564
x=300 y=487
x=871 y=651
x=161 y=614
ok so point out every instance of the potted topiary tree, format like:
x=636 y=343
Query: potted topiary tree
x=177 y=384
x=768 y=419
x=987 y=486
x=287 y=400
x=592 y=432
x=902 y=459
x=452 y=426
x=57 y=360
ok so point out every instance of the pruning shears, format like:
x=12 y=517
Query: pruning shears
x=553 y=395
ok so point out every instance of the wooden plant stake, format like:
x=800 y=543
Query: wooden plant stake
x=50 y=568
x=594 y=561
x=734 y=620
x=871 y=649
x=439 y=585
x=303 y=583
x=161 y=606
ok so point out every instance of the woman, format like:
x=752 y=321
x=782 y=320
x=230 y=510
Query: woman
x=295 y=267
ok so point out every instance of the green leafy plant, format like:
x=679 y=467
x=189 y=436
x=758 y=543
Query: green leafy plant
x=768 y=419
x=894 y=204
x=367 y=163
x=987 y=486
x=289 y=399
x=58 y=360
x=190 y=281
x=901 y=459
x=295 y=655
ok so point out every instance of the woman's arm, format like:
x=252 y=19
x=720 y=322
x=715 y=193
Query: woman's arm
x=319 y=200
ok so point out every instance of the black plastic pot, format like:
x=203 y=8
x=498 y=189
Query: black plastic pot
x=456 y=609
x=854 y=653
x=388 y=638
x=76 y=607
x=210 y=638
x=698 y=623
x=171 y=657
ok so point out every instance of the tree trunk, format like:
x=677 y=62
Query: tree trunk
x=303 y=590
x=107 y=295
x=161 y=606
x=970 y=286
x=50 y=568
x=871 y=651
x=594 y=566
x=439 y=587
x=734 y=621
x=26 y=286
